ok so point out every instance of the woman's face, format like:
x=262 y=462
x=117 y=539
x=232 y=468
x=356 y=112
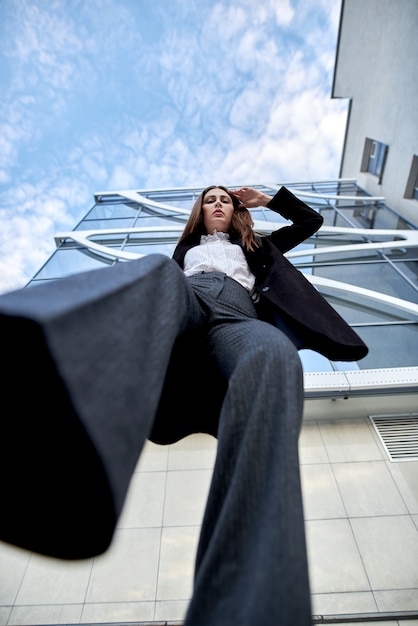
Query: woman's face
x=217 y=208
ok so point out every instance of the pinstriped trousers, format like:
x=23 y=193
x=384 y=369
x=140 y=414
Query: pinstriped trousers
x=92 y=352
x=251 y=562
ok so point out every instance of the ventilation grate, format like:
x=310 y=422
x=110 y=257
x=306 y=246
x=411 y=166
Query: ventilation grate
x=398 y=434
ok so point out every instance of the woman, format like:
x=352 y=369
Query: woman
x=117 y=347
x=282 y=289
x=251 y=561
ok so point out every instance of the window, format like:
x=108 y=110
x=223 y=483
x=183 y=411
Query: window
x=411 y=190
x=374 y=158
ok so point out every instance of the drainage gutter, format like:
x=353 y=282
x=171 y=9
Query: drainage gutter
x=365 y=617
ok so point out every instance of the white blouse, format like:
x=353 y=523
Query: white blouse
x=217 y=254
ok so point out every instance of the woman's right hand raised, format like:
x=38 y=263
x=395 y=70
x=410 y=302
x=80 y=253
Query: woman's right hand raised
x=251 y=198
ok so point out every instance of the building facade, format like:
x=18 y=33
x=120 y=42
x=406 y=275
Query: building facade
x=358 y=446
x=376 y=69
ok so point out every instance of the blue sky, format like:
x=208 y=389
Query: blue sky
x=100 y=95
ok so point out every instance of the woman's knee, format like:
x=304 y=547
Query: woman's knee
x=276 y=342
x=281 y=355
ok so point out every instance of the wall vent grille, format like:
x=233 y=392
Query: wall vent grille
x=398 y=434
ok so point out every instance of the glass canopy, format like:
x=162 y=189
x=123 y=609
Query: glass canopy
x=364 y=259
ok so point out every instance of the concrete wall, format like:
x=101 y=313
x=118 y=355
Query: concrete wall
x=377 y=68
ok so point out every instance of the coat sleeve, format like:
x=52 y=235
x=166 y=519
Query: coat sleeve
x=305 y=220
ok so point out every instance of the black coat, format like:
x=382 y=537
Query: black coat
x=285 y=296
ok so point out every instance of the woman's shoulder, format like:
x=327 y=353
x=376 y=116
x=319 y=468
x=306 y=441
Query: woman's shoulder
x=187 y=242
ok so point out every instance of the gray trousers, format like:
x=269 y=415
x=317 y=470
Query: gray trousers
x=86 y=370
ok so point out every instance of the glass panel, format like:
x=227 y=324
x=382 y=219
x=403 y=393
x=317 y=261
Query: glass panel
x=329 y=215
x=346 y=366
x=376 y=276
x=388 y=219
x=318 y=204
x=104 y=210
x=161 y=213
x=401 y=254
x=355 y=313
x=258 y=215
x=345 y=255
x=324 y=239
x=364 y=216
x=152 y=248
x=345 y=217
x=389 y=346
x=182 y=198
x=65 y=262
x=158 y=220
x=180 y=204
x=314 y=362
x=380 y=159
x=266 y=215
x=105 y=223
x=376 y=158
x=272 y=216
x=410 y=268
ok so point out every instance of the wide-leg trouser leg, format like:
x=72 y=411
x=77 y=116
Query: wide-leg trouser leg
x=85 y=361
x=251 y=565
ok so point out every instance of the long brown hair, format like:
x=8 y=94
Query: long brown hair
x=241 y=224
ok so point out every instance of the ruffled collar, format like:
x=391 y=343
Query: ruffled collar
x=214 y=237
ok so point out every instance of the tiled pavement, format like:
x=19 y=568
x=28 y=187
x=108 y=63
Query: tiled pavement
x=361 y=514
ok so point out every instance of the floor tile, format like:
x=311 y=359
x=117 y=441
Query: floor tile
x=127 y=572
x=362 y=564
x=120 y=612
x=335 y=564
x=197 y=451
x=311 y=446
x=389 y=549
x=186 y=495
x=343 y=603
x=145 y=501
x=321 y=498
x=13 y=564
x=153 y=458
x=5 y=612
x=398 y=600
x=53 y=581
x=383 y=622
x=349 y=440
x=171 y=610
x=368 y=489
x=46 y=614
x=405 y=475
x=178 y=550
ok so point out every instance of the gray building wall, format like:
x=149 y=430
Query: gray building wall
x=376 y=67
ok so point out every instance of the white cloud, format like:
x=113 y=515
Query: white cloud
x=30 y=216
x=121 y=178
x=12 y=133
x=96 y=98
x=284 y=11
x=302 y=141
x=47 y=41
x=26 y=243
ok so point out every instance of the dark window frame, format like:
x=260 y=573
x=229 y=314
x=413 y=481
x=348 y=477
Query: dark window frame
x=411 y=189
x=374 y=158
